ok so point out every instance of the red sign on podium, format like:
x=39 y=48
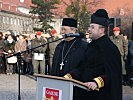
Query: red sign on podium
x=51 y=94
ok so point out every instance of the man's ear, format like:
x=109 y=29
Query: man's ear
x=102 y=30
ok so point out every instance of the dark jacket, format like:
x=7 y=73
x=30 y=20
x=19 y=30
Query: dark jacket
x=74 y=57
x=130 y=53
x=102 y=59
x=9 y=46
x=1 y=47
x=129 y=63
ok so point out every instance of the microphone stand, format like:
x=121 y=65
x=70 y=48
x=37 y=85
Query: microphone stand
x=19 y=64
x=20 y=61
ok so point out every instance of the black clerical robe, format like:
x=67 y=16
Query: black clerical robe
x=74 y=51
x=102 y=60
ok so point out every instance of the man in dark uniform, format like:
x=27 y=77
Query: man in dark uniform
x=69 y=52
x=101 y=68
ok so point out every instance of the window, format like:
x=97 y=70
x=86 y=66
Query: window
x=11 y=20
x=15 y=21
x=0 y=18
x=18 y=21
x=3 y=20
x=7 y=20
x=21 y=22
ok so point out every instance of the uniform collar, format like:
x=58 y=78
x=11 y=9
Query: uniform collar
x=118 y=36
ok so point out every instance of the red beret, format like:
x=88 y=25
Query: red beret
x=54 y=32
x=39 y=33
x=116 y=29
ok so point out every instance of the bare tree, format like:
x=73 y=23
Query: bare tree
x=80 y=10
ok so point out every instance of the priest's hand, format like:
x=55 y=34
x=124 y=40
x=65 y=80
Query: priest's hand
x=91 y=85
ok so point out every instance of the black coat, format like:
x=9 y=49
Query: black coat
x=129 y=62
x=73 y=59
x=130 y=53
x=102 y=59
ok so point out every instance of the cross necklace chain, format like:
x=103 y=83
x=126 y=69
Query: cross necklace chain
x=64 y=56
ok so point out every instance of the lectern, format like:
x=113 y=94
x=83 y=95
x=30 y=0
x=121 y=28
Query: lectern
x=56 y=88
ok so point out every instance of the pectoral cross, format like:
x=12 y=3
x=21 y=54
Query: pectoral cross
x=62 y=64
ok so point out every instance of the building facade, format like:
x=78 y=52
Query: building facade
x=15 y=17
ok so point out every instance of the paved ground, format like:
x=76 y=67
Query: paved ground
x=9 y=88
x=127 y=93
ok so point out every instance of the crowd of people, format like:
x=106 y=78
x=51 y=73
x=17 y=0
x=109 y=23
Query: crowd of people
x=102 y=62
x=32 y=61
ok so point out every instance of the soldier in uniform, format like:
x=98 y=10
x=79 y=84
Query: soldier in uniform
x=53 y=45
x=37 y=60
x=122 y=45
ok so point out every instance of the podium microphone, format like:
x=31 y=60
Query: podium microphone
x=77 y=35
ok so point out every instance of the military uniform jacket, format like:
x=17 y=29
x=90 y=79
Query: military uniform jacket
x=73 y=59
x=121 y=43
x=37 y=42
x=53 y=45
x=102 y=59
